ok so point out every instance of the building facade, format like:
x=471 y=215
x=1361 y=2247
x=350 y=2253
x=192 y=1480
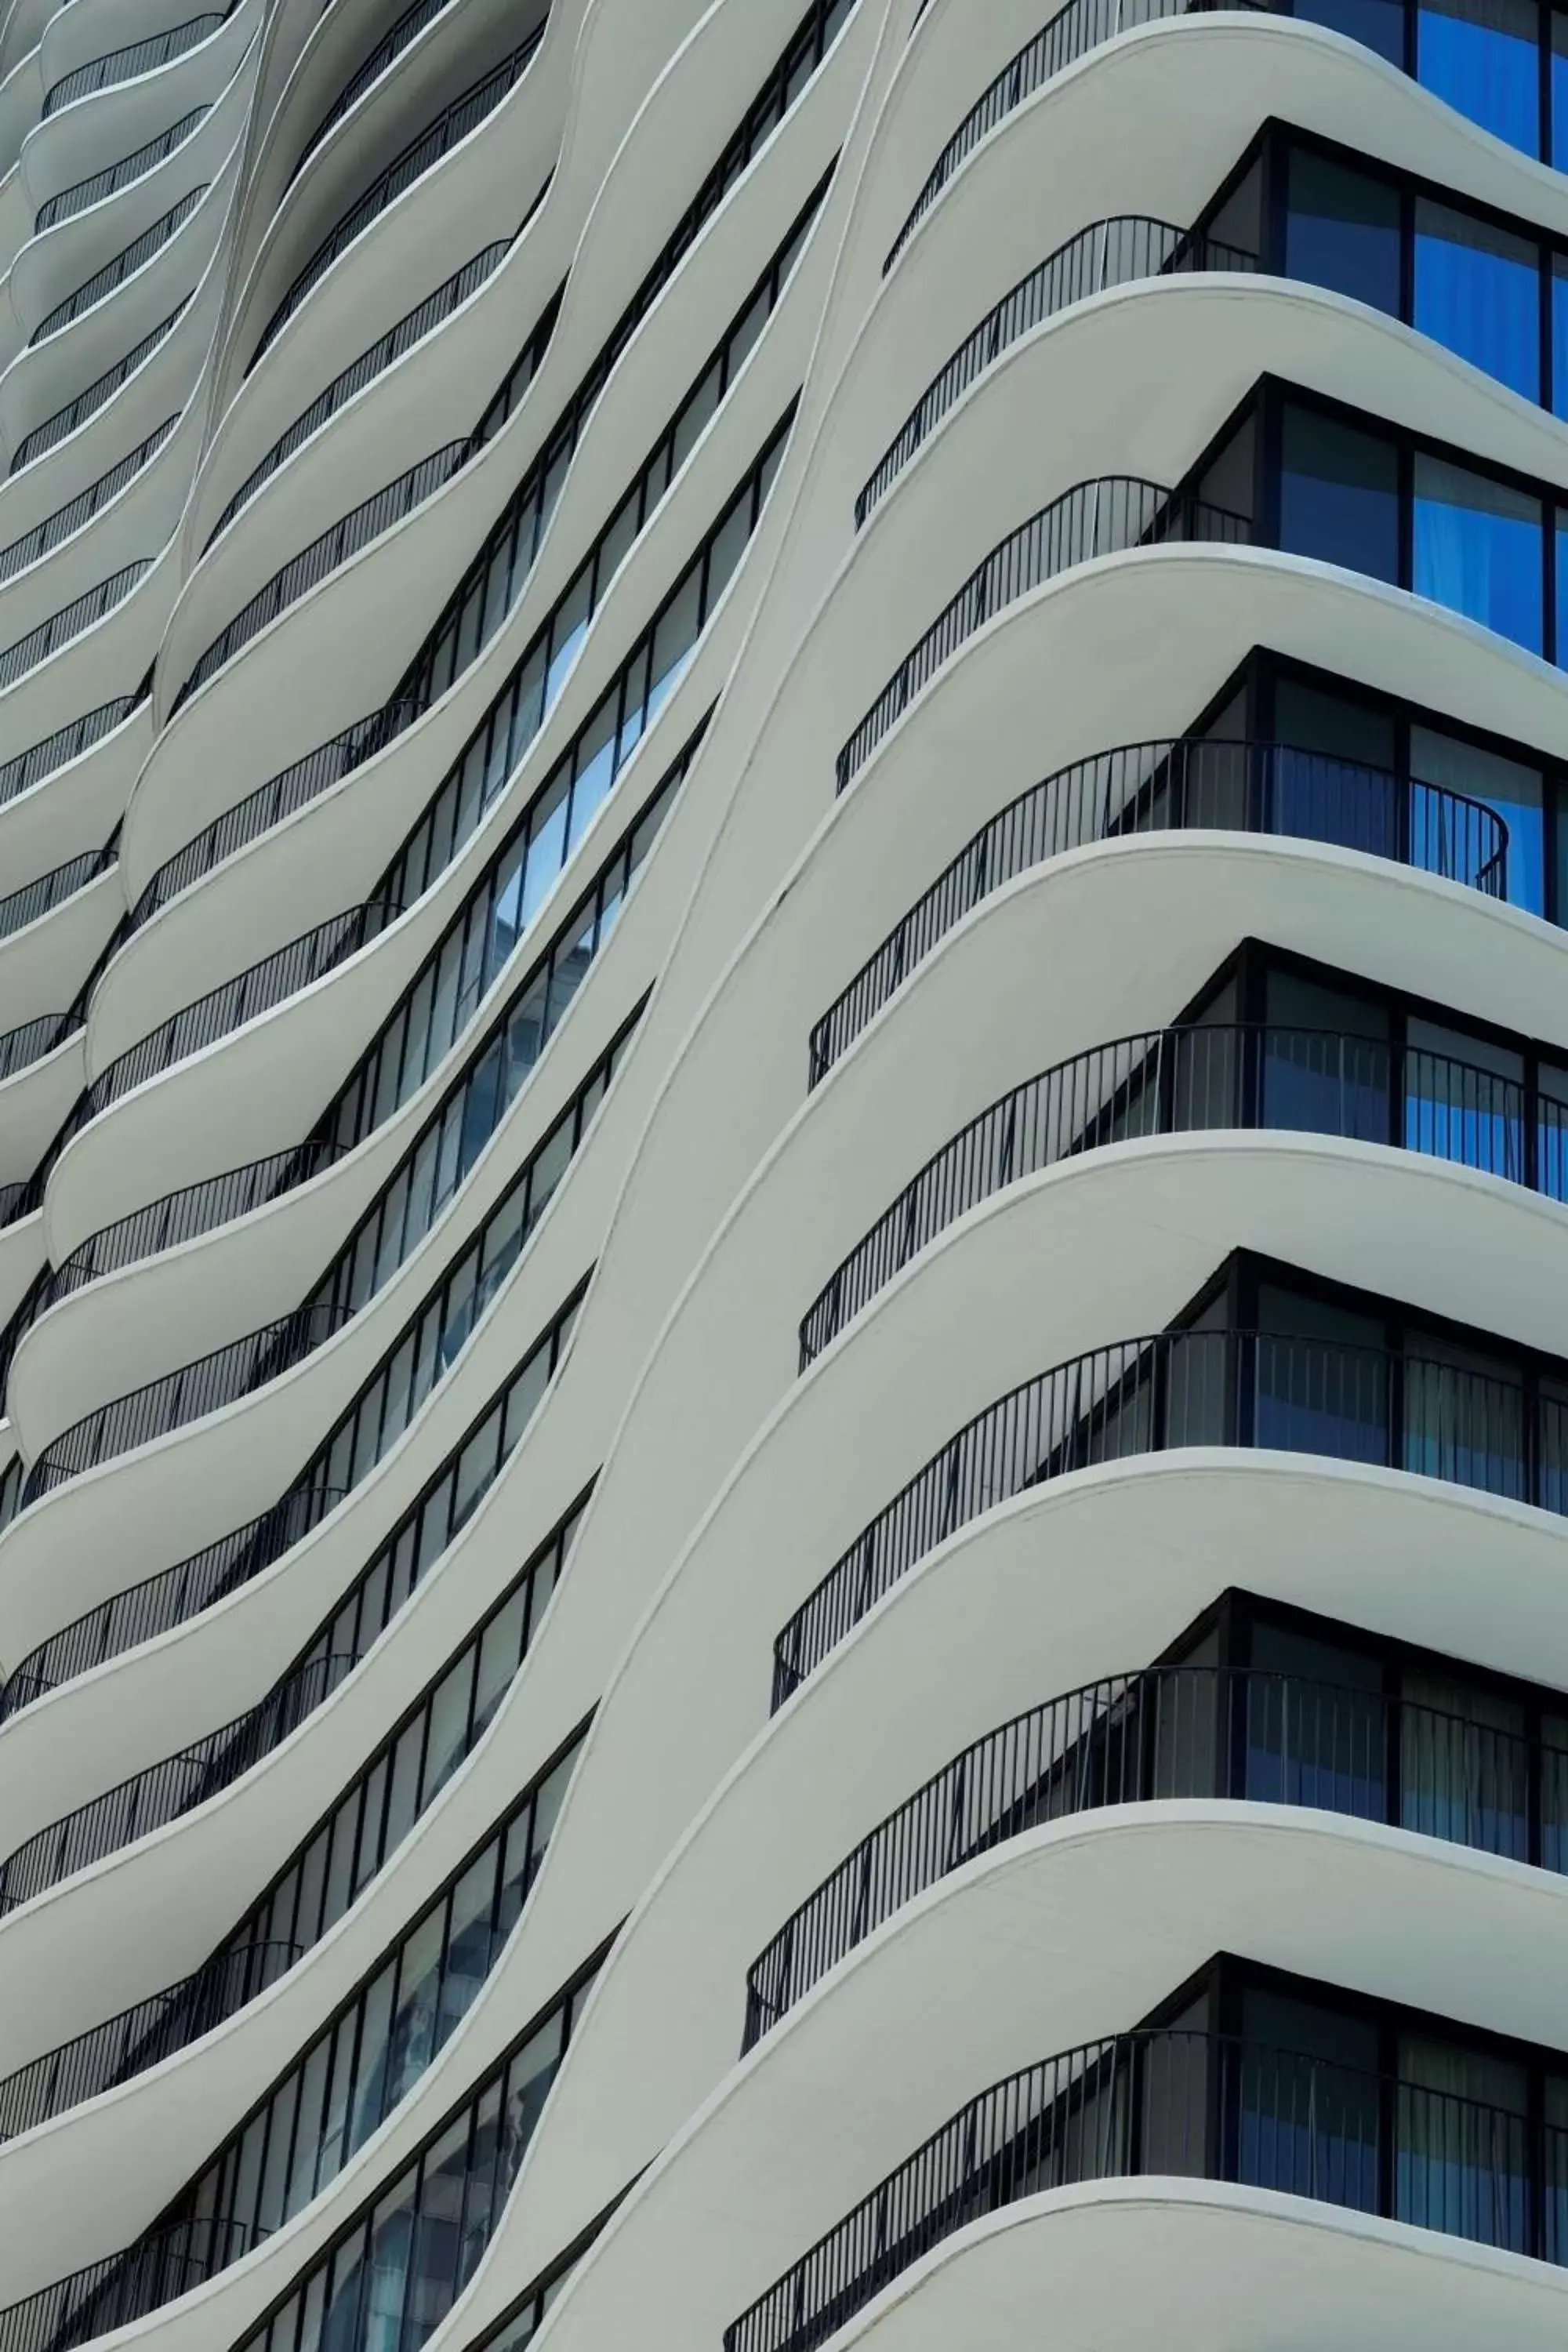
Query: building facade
x=784 y=847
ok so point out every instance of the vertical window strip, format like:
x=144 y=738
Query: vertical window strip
x=380 y=2042
x=441 y=1156
x=400 y=2265
x=440 y=1329
x=446 y=991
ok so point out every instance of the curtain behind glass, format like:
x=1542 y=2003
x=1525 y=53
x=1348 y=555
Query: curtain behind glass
x=1463 y=1773
x=1477 y=292
x=1483 y=57
x=1461 y=2156
x=1513 y=792
x=1478 y=549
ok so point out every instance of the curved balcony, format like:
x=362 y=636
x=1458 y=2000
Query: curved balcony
x=226 y=1008
x=19 y=1048
x=183 y=1216
x=409 y=330
x=139 y=2037
x=136 y=59
x=168 y=1599
x=65 y=421
x=1172 y=1733
x=109 y=2293
x=1335 y=1399
x=125 y=265
x=151 y=1799
x=196 y=1389
x=1163 y=2101
x=1116 y=252
x=1196 y=1077
x=68 y=519
x=115 y=176
x=30 y=904
x=24 y=769
x=1072 y=32
x=1277 y=789
x=325 y=554
x=271 y=803
x=1106 y=517
x=399 y=36
x=436 y=139
x=60 y=628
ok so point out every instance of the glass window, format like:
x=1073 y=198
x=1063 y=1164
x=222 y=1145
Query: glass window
x=1464 y=1099
x=1339 y=495
x=1463 y=1764
x=1477 y=548
x=1464 y=1418
x=1489 y=809
x=1376 y=24
x=1331 y=777
x=1477 y=292
x=1462 y=2143
x=1483 y=57
x=1322 y=1379
x=1308 y=2100
x=1341 y=230
x=1559 y=87
x=1316 y=1729
x=1325 y=1066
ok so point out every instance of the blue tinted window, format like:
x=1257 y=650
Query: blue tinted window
x=1483 y=57
x=1377 y=25
x=1339 y=498
x=1477 y=292
x=1560 y=328
x=1511 y=791
x=1559 y=87
x=1342 y=230
x=1477 y=548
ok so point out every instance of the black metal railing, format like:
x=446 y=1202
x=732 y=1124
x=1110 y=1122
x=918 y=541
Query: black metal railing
x=271 y=803
x=1072 y=32
x=115 y=176
x=1402 y=1411
x=137 y=58
x=1158 y=787
x=171 y=1598
x=125 y=265
x=438 y=139
x=1094 y=519
x=149 y=1800
x=65 y=421
x=1169 y=1733
x=1168 y=2101
x=20 y=1047
x=139 y=2037
x=24 y=769
x=80 y=613
x=325 y=554
x=410 y=330
x=401 y=35
x=1201 y=1077
x=35 y=900
x=250 y=993
x=1117 y=252
x=176 y=1398
x=184 y=1215
x=121 y=2287
x=48 y=534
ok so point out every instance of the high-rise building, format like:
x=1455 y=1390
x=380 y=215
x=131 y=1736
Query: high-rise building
x=784 y=1175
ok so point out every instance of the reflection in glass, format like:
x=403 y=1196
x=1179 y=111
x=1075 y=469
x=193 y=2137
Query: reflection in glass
x=1477 y=548
x=1339 y=495
x=1341 y=230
